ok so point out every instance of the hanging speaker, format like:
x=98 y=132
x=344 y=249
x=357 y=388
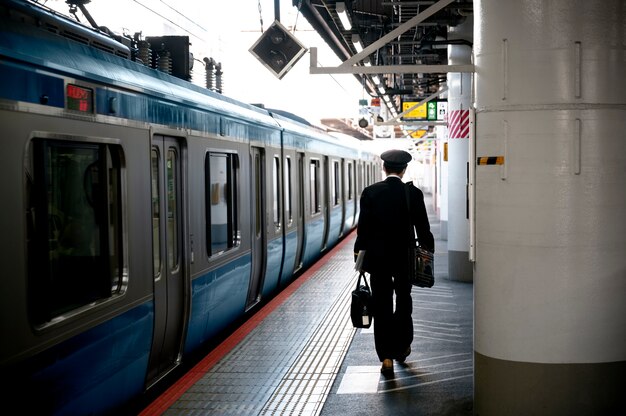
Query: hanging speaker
x=278 y=49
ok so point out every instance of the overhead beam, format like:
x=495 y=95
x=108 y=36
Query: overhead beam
x=384 y=69
x=412 y=123
x=415 y=20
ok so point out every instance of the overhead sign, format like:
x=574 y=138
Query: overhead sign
x=418 y=113
x=431 y=110
x=418 y=134
x=442 y=110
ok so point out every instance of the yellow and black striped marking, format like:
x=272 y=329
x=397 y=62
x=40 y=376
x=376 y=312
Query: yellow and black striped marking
x=490 y=160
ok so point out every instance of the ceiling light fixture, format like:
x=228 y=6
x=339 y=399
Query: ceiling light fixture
x=340 y=8
x=356 y=41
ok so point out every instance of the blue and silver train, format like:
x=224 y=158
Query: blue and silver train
x=143 y=214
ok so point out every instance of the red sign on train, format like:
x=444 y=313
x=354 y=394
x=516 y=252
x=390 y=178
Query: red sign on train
x=79 y=98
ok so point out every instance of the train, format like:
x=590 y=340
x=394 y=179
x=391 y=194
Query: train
x=145 y=214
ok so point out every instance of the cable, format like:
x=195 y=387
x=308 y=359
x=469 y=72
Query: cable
x=183 y=15
x=174 y=23
x=261 y=16
x=334 y=79
x=299 y=6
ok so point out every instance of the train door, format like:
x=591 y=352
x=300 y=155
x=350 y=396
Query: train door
x=258 y=226
x=167 y=249
x=300 y=186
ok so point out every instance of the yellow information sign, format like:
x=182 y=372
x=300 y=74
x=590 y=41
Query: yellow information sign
x=418 y=134
x=418 y=112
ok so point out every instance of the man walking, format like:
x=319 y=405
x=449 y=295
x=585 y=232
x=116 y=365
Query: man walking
x=384 y=232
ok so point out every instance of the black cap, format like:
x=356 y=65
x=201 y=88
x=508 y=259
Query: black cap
x=396 y=158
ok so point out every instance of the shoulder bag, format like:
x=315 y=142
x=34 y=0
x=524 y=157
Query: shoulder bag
x=421 y=261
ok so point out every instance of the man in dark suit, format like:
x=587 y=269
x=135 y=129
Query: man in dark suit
x=384 y=234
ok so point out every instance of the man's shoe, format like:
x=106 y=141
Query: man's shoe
x=387 y=367
x=402 y=358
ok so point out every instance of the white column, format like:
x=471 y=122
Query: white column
x=441 y=133
x=459 y=102
x=550 y=272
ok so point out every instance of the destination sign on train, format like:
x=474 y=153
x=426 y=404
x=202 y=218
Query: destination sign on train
x=79 y=98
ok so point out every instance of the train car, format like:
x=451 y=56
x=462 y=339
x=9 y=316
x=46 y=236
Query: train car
x=145 y=214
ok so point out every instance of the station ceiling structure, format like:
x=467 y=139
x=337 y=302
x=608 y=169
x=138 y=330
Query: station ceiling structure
x=397 y=49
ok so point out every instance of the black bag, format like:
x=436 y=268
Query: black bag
x=421 y=261
x=361 y=307
x=421 y=266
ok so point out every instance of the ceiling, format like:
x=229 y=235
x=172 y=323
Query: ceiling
x=424 y=43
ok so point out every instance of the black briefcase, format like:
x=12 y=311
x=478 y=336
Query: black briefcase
x=361 y=306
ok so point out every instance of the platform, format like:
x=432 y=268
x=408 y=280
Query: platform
x=300 y=355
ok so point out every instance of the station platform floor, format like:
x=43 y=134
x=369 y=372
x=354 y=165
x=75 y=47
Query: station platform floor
x=300 y=354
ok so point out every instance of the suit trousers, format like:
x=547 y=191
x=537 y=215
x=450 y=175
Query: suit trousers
x=393 y=329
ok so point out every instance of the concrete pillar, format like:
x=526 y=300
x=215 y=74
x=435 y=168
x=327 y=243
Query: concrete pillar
x=550 y=271
x=441 y=133
x=459 y=102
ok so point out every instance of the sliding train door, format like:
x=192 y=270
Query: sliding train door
x=259 y=245
x=167 y=249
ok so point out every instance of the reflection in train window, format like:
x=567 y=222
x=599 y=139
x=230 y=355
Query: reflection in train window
x=74 y=216
x=314 y=189
x=222 y=227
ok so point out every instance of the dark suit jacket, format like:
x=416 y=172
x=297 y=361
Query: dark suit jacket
x=383 y=228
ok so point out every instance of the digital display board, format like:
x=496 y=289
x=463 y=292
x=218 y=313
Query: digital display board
x=79 y=98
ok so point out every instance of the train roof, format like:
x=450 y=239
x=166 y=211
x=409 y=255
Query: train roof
x=62 y=54
x=36 y=36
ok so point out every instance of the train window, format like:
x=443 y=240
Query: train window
x=172 y=215
x=314 y=189
x=75 y=235
x=276 y=191
x=288 y=203
x=350 y=181
x=221 y=192
x=336 y=191
x=359 y=178
x=156 y=213
x=257 y=192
